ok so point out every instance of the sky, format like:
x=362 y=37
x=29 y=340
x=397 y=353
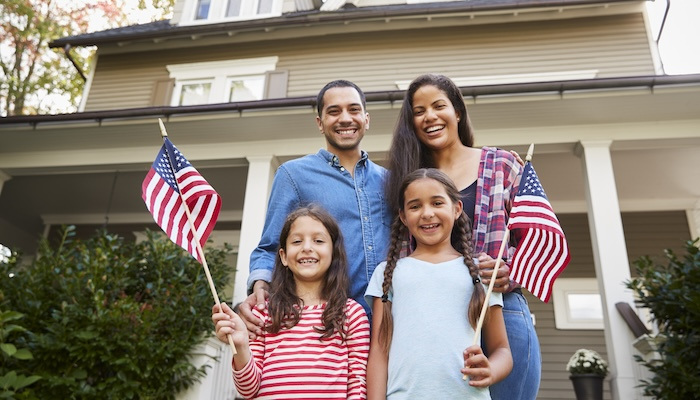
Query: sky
x=679 y=44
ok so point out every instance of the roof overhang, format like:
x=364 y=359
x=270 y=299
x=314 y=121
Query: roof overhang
x=474 y=94
x=487 y=11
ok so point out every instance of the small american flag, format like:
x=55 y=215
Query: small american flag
x=160 y=191
x=543 y=252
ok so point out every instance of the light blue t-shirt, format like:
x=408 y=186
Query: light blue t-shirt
x=431 y=329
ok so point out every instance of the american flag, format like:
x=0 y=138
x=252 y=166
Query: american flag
x=160 y=191
x=543 y=252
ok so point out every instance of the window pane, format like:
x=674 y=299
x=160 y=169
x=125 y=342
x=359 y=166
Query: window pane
x=248 y=88
x=195 y=93
x=234 y=8
x=264 y=6
x=203 y=9
x=585 y=306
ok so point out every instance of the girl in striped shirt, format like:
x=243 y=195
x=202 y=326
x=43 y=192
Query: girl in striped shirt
x=316 y=340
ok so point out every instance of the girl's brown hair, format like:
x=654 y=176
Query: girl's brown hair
x=285 y=306
x=461 y=241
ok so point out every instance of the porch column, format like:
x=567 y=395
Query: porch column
x=3 y=178
x=693 y=215
x=261 y=170
x=611 y=262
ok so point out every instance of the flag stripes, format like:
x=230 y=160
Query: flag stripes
x=542 y=253
x=170 y=175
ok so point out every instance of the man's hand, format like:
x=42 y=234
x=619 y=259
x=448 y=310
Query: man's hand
x=257 y=300
x=486 y=266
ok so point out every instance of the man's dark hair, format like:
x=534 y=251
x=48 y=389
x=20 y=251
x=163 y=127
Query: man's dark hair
x=334 y=84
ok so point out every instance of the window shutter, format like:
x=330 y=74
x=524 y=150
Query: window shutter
x=276 y=84
x=162 y=92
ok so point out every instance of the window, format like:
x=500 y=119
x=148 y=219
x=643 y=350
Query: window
x=202 y=9
x=246 y=88
x=220 y=81
x=208 y=11
x=577 y=304
x=193 y=92
x=264 y=6
x=234 y=8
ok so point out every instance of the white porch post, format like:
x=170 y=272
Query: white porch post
x=693 y=215
x=611 y=262
x=261 y=170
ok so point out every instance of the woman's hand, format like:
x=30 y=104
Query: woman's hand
x=486 y=266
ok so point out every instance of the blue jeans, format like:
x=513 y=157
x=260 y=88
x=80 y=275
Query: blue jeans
x=523 y=382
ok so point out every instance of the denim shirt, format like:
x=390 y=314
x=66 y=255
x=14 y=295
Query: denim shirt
x=357 y=203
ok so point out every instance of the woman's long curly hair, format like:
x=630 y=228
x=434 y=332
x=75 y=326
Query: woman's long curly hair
x=285 y=306
x=407 y=153
x=461 y=240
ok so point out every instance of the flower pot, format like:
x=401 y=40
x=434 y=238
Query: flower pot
x=588 y=386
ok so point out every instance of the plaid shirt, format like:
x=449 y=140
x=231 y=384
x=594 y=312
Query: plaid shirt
x=497 y=184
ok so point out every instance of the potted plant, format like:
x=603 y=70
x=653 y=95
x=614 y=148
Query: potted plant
x=587 y=369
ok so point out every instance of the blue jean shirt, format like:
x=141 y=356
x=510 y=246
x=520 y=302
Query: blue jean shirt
x=357 y=203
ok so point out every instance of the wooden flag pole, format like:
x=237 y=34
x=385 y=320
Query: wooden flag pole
x=494 y=274
x=212 y=288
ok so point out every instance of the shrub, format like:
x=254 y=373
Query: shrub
x=672 y=294
x=13 y=381
x=111 y=319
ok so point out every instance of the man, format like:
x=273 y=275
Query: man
x=343 y=180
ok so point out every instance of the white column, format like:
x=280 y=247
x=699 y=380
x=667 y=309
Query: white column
x=611 y=262
x=261 y=170
x=693 y=215
x=3 y=178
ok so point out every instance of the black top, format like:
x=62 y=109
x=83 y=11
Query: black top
x=469 y=200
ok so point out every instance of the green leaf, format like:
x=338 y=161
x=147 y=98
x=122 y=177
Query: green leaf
x=8 y=348
x=24 y=381
x=8 y=380
x=86 y=335
x=23 y=354
x=7 y=316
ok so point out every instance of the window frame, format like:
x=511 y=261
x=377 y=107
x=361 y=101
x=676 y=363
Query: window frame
x=563 y=318
x=219 y=8
x=220 y=74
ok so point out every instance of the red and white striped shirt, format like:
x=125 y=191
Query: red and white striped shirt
x=295 y=364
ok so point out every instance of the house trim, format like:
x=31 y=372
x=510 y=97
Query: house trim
x=559 y=88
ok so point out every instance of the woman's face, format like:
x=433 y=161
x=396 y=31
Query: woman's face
x=435 y=118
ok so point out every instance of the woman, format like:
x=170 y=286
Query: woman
x=434 y=131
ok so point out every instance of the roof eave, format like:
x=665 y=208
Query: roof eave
x=653 y=81
x=316 y=17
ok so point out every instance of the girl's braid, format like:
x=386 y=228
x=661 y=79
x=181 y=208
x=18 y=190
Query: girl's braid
x=397 y=238
x=467 y=248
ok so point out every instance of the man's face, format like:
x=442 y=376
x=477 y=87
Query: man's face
x=343 y=120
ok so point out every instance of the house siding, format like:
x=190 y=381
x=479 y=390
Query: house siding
x=612 y=45
x=646 y=233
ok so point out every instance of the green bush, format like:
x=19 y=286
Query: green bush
x=13 y=384
x=672 y=294
x=111 y=319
